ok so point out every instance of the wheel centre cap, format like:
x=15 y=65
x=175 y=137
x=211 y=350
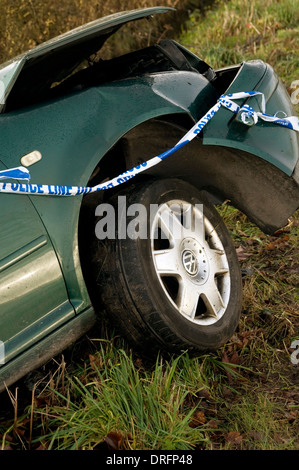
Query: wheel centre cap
x=190 y=262
x=194 y=260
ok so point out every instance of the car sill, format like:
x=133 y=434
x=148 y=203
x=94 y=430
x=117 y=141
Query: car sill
x=46 y=349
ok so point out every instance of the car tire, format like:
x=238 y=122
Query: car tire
x=174 y=282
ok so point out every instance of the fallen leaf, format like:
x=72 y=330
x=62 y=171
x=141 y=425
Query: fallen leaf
x=213 y=423
x=277 y=243
x=233 y=359
x=95 y=362
x=113 y=440
x=203 y=393
x=237 y=341
x=291 y=415
x=234 y=437
x=255 y=435
x=241 y=253
x=198 y=419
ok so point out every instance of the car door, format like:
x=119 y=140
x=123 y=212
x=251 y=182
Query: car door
x=33 y=296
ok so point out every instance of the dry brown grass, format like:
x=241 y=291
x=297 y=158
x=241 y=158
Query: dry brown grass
x=27 y=23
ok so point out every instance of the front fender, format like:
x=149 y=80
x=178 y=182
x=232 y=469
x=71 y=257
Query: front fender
x=75 y=132
x=275 y=144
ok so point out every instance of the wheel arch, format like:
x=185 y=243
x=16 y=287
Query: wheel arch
x=254 y=186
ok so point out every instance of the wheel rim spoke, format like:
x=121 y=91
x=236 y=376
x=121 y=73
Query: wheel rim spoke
x=198 y=225
x=187 y=299
x=213 y=299
x=166 y=261
x=170 y=224
x=219 y=261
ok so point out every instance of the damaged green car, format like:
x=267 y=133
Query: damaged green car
x=76 y=121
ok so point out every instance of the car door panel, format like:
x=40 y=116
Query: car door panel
x=32 y=288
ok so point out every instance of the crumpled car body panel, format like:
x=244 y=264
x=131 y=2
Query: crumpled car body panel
x=59 y=56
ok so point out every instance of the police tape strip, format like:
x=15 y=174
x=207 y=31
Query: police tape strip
x=247 y=114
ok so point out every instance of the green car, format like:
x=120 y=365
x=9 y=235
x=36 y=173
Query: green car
x=118 y=218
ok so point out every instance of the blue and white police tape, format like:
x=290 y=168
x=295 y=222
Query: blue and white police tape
x=247 y=114
x=19 y=173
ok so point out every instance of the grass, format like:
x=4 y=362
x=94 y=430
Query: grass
x=102 y=395
x=123 y=406
x=25 y=24
x=236 y=31
x=241 y=397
